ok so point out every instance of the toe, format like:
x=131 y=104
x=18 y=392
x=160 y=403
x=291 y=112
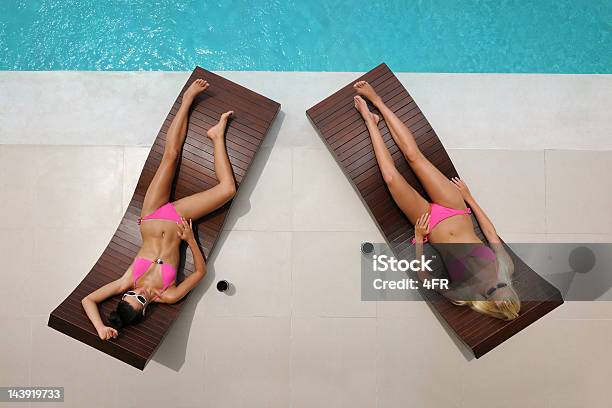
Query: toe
x=358 y=101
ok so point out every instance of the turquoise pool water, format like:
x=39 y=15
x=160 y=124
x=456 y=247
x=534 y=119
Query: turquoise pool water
x=427 y=36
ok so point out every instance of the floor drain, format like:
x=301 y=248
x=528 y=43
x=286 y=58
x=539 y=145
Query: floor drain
x=367 y=247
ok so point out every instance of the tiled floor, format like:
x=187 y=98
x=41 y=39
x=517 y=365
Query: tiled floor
x=294 y=333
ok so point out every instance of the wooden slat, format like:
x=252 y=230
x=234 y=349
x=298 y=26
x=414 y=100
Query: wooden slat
x=343 y=130
x=252 y=119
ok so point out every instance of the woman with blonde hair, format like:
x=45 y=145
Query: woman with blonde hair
x=479 y=274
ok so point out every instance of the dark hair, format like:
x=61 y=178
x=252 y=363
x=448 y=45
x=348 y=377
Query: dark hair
x=124 y=315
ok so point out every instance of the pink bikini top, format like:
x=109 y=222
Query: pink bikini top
x=141 y=266
x=457 y=268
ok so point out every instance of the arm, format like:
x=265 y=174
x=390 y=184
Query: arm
x=454 y=294
x=90 y=303
x=421 y=229
x=176 y=293
x=487 y=227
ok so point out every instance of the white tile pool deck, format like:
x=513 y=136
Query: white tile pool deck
x=535 y=149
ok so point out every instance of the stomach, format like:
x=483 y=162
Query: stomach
x=160 y=240
x=454 y=230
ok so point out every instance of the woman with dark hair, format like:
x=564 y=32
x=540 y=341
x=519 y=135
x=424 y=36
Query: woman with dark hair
x=163 y=225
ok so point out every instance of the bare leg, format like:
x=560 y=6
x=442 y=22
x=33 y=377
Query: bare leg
x=158 y=192
x=439 y=188
x=406 y=197
x=198 y=205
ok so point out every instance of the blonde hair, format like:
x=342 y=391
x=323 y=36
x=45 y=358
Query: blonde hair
x=505 y=309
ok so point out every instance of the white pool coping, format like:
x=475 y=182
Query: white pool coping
x=472 y=111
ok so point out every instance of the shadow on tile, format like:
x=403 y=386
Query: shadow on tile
x=463 y=349
x=178 y=335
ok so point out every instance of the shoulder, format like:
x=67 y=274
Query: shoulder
x=125 y=282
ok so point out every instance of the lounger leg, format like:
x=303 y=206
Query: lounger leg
x=198 y=205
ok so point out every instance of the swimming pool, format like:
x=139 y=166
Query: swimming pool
x=428 y=36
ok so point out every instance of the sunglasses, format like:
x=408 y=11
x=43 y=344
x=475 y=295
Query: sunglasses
x=141 y=299
x=494 y=288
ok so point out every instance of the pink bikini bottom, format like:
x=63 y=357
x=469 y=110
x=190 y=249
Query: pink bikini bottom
x=439 y=213
x=165 y=212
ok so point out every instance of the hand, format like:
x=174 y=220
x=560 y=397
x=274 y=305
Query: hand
x=421 y=228
x=184 y=230
x=158 y=296
x=462 y=187
x=107 y=333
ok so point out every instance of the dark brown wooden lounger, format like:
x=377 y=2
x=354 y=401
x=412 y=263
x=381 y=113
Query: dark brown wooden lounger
x=345 y=133
x=253 y=116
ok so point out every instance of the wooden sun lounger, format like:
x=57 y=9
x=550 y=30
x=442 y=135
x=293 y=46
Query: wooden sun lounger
x=253 y=116
x=343 y=130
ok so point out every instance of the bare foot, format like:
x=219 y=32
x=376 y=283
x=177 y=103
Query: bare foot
x=217 y=131
x=364 y=89
x=362 y=107
x=197 y=87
